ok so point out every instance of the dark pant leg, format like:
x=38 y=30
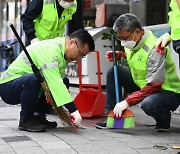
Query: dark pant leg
x=42 y=106
x=160 y=105
x=24 y=90
x=125 y=80
x=66 y=82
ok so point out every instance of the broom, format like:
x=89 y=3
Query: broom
x=127 y=117
x=60 y=111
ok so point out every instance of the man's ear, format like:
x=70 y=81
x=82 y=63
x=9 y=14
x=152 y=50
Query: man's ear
x=71 y=41
x=138 y=30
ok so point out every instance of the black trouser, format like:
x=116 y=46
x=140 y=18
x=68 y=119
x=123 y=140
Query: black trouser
x=125 y=80
x=25 y=91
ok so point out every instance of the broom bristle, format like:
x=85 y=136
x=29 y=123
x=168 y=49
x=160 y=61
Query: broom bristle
x=63 y=116
x=62 y=113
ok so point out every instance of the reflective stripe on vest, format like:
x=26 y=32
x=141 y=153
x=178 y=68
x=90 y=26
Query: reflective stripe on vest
x=5 y=75
x=47 y=66
x=146 y=48
x=48 y=1
x=25 y=59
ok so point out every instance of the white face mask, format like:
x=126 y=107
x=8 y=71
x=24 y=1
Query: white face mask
x=65 y=4
x=128 y=44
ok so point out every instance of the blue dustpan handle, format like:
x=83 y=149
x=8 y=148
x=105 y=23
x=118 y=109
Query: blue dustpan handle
x=115 y=69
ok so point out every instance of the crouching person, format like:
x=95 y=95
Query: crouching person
x=19 y=85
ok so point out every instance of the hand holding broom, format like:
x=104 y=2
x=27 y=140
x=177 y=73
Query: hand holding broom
x=61 y=111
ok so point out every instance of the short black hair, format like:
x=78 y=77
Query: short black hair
x=84 y=37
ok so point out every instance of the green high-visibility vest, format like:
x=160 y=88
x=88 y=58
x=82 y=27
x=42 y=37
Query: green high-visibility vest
x=174 y=20
x=138 y=65
x=48 y=25
x=48 y=56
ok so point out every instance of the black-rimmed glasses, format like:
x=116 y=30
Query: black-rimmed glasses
x=124 y=39
x=80 y=52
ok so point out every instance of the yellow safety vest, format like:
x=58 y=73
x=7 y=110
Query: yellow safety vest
x=138 y=65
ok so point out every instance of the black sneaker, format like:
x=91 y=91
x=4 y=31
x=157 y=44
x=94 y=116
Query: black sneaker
x=31 y=125
x=42 y=120
x=162 y=128
x=100 y=125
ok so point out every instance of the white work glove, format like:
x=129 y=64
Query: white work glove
x=34 y=40
x=164 y=40
x=120 y=107
x=76 y=118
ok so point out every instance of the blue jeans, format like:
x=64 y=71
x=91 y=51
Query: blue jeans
x=160 y=105
x=156 y=105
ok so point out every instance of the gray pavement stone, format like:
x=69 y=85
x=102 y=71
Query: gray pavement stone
x=90 y=147
x=141 y=145
x=108 y=143
x=16 y=138
x=158 y=140
x=54 y=145
x=120 y=150
x=46 y=138
x=61 y=151
x=99 y=152
x=155 y=151
x=29 y=150
x=11 y=134
x=5 y=148
x=23 y=144
x=4 y=129
x=2 y=142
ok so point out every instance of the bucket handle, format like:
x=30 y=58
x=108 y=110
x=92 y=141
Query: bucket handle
x=81 y=85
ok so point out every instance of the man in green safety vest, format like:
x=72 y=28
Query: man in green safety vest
x=18 y=83
x=47 y=19
x=151 y=78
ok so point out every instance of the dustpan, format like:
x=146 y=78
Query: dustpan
x=126 y=120
x=90 y=100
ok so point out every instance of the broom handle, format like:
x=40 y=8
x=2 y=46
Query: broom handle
x=115 y=69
